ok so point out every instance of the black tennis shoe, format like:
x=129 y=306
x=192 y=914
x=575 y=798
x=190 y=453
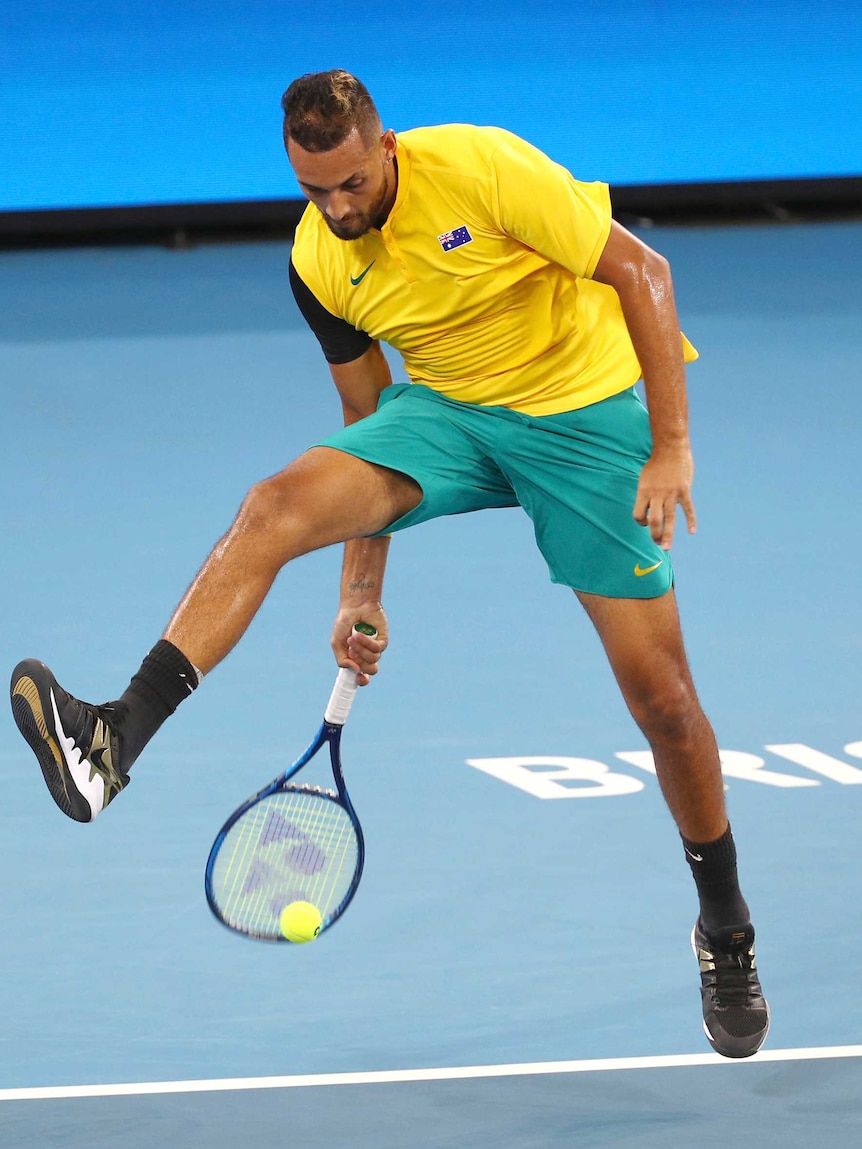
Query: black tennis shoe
x=76 y=748
x=735 y=1012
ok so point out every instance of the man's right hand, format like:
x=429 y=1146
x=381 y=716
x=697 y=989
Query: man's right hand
x=360 y=651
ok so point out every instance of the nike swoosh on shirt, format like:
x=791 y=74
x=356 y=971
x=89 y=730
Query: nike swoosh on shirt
x=639 y=570
x=359 y=278
x=92 y=788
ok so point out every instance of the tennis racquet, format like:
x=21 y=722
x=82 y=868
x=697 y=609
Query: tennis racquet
x=291 y=842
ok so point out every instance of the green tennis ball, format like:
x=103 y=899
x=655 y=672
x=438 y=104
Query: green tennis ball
x=300 y=922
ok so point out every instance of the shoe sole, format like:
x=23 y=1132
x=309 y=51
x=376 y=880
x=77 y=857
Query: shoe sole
x=33 y=717
x=735 y=1054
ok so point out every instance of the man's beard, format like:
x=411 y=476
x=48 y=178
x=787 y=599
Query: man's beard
x=352 y=230
x=363 y=223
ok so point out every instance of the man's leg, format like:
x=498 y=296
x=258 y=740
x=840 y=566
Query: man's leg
x=85 y=752
x=643 y=641
x=324 y=497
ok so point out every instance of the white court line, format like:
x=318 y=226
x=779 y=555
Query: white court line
x=455 y=1073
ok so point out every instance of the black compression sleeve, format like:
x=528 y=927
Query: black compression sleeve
x=341 y=343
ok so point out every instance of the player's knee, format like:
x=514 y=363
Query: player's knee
x=259 y=507
x=666 y=711
x=268 y=508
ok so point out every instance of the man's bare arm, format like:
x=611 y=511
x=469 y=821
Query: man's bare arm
x=642 y=279
x=359 y=385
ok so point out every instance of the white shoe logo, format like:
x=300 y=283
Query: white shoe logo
x=92 y=788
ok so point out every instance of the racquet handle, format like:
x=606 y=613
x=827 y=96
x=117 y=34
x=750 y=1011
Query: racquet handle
x=344 y=690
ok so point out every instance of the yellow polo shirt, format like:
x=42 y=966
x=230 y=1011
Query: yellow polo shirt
x=480 y=276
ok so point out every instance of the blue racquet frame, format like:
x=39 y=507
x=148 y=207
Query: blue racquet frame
x=329 y=734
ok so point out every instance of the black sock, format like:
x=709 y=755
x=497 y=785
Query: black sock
x=165 y=678
x=723 y=909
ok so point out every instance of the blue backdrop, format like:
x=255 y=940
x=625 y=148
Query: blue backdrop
x=110 y=102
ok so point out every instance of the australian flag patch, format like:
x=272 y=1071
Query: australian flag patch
x=452 y=239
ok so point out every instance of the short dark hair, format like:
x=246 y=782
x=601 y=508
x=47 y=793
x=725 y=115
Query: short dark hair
x=322 y=108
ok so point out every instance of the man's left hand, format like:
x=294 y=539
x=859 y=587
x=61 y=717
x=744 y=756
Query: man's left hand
x=666 y=482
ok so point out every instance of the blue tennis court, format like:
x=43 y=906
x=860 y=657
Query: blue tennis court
x=515 y=970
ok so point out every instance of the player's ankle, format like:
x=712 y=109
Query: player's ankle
x=165 y=679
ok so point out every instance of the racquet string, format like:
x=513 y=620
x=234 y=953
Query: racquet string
x=294 y=845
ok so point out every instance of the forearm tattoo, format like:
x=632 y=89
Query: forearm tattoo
x=353 y=587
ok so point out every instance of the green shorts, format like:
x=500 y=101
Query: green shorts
x=575 y=474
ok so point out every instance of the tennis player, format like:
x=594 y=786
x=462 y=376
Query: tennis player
x=525 y=316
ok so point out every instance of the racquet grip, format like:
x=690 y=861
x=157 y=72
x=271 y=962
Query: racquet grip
x=342 y=696
x=344 y=690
